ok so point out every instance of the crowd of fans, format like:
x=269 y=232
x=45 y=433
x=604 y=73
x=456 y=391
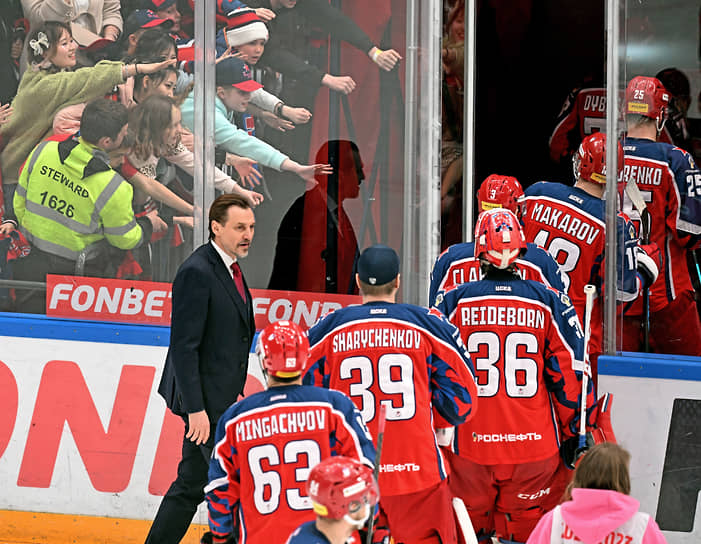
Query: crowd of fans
x=65 y=54
x=70 y=56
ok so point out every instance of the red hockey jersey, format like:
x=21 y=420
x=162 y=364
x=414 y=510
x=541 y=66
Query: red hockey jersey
x=410 y=360
x=670 y=183
x=527 y=347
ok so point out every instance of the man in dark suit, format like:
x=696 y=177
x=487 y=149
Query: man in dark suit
x=212 y=327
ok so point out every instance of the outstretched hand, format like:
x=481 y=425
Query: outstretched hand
x=309 y=172
x=275 y=122
x=153 y=67
x=229 y=54
x=341 y=84
x=385 y=59
x=265 y=14
x=252 y=197
x=298 y=116
x=245 y=169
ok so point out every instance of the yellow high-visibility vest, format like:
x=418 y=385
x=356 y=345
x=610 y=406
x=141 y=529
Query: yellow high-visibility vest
x=69 y=202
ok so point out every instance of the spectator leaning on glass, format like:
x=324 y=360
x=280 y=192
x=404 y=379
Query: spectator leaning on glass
x=51 y=83
x=234 y=87
x=72 y=206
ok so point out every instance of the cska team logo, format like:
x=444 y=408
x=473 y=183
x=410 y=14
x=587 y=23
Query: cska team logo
x=246 y=71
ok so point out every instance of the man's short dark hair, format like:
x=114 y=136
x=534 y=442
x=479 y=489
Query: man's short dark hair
x=220 y=209
x=103 y=118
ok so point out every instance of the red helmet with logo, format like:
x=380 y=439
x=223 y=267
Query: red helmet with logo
x=499 y=191
x=589 y=163
x=283 y=349
x=647 y=96
x=339 y=486
x=499 y=238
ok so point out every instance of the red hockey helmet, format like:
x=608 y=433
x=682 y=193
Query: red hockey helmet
x=647 y=96
x=283 y=349
x=589 y=163
x=499 y=238
x=339 y=486
x=500 y=192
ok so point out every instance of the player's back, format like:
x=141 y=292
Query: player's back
x=458 y=264
x=671 y=186
x=408 y=359
x=583 y=112
x=569 y=223
x=525 y=343
x=271 y=441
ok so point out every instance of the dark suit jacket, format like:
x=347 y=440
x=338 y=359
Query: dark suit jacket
x=210 y=337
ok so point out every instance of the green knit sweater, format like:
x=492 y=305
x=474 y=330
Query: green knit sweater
x=39 y=97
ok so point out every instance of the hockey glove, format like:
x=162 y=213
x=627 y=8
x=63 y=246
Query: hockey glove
x=571 y=452
x=649 y=262
x=381 y=536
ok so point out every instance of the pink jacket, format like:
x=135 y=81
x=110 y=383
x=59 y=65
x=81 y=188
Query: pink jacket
x=592 y=515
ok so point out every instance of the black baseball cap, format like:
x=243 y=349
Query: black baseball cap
x=145 y=18
x=234 y=72
x=378 y=264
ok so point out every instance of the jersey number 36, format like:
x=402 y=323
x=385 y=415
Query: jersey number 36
x=520 y=373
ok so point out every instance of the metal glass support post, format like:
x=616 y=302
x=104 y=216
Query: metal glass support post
x=468 y=124
x=203 y=129
x=422 y=136
x=612 y=74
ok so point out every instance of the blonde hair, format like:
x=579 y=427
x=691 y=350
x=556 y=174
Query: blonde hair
x=605 y=466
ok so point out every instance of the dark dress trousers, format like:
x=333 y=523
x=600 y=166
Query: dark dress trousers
x=211 y=333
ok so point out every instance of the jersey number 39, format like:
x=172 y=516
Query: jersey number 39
x=395 y=377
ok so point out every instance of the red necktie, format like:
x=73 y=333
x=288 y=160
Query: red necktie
x=238 y=280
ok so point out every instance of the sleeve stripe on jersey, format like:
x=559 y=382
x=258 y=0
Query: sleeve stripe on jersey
x=688 y=227
x=662 y=164
x=532 y=266
x=390 y=320
x=216 y=483
x=451 y=267
x=576 y=364
x=562 y=202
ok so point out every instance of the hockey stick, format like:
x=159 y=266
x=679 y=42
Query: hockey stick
x=378 y=453
x=636 y=197
x=589 y=292
x=468 y=531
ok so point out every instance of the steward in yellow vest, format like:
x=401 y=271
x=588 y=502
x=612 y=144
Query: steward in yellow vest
x=71 y=206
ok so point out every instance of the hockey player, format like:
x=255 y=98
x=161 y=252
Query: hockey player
x=266 y=444
x=582 y=114
x=569 y=222
x=670 y=183
x=408 y=359
x=344 y=494
x=458 y=263
x=527 y=346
